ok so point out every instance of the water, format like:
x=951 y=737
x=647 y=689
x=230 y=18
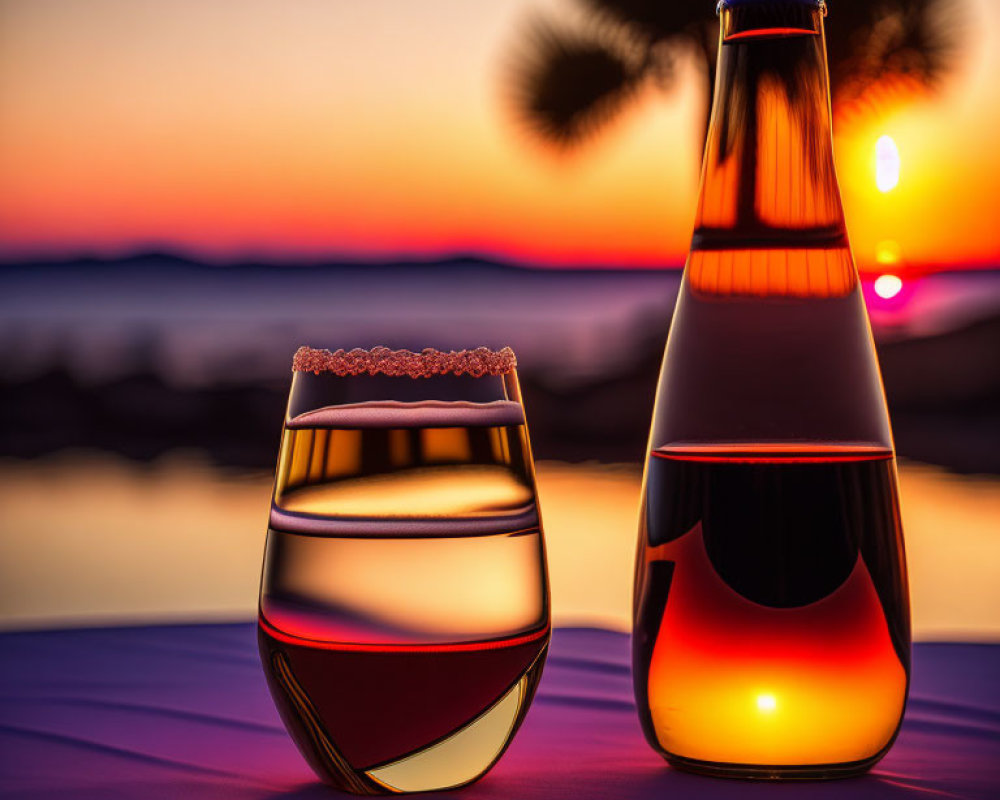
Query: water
x=404 y=611
x=771 y=612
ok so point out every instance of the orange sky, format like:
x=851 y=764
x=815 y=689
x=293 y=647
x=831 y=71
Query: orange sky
x=378 y=128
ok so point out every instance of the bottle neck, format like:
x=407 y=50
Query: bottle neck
x=768 y=181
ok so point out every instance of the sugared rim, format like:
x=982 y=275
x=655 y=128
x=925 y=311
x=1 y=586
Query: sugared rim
x=405 y=363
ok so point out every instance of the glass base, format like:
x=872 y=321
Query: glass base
x=766 y=772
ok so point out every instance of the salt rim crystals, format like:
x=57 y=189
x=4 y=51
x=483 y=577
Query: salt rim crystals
x=401 y=363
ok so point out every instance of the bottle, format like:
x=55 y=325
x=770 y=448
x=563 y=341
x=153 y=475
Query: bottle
x=771 y=613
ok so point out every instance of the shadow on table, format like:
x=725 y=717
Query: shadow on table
x=872 y=786
x=665 y=783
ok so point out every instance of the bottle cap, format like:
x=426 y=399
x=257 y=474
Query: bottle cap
x=821 y=4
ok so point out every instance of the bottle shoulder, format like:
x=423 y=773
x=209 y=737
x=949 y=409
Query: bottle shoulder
x=770 y=368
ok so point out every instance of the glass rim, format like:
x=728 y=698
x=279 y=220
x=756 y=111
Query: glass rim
x=429 y=362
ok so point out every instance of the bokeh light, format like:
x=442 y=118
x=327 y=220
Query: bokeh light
x=888 y=252
x=888 y=286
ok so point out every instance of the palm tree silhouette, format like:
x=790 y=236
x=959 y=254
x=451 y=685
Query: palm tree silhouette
x=567 y=82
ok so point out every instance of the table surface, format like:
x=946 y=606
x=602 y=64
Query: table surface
x=182 y=711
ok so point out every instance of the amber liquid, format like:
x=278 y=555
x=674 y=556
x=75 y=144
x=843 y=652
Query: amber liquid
x=404 y=602
x=771 y=612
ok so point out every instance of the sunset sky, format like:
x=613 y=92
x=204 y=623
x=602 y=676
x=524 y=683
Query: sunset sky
x=379 y=129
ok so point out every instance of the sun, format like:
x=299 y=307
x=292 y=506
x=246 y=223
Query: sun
x=766 y=703
x=886 y=164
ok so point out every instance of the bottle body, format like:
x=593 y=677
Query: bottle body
x=771 y=625
x=771 y=619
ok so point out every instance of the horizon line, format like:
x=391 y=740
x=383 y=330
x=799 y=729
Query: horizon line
x=402 y=260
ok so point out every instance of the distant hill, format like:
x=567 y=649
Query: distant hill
x=155 y=259
x=159 y=260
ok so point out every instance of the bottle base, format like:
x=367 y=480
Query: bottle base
x=773 y=772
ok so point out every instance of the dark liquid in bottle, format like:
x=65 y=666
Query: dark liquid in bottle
x=771 y=612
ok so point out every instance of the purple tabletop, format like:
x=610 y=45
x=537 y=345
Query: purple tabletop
x=183 y=712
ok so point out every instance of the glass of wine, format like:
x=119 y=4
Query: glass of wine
x=404 y=603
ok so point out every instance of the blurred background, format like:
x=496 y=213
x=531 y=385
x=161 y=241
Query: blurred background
x=189 y=190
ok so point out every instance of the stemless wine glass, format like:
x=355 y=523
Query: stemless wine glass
x=404 y=604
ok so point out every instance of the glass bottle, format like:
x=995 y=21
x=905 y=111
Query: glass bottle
x=404 y=603
x=771 y=613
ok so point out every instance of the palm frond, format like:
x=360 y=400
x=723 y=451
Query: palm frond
x=918 y=38
x=659 y=19
x=872 y=43
x=566 y=84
